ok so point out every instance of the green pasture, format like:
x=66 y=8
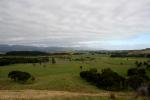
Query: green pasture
x=64 y=75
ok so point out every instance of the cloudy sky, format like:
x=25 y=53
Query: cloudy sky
x=95 y=24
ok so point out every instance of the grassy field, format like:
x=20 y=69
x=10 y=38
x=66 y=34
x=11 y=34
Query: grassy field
x=64 y=75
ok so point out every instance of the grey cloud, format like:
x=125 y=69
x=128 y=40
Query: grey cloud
x=72 y=22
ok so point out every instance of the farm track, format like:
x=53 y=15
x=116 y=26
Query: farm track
x=37 y=94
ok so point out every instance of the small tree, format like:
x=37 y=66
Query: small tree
x=111 y=80
x=132 y=71
x=53 y=60
x=81 y=67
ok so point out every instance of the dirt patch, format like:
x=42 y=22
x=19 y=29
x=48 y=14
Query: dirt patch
x=37 y=94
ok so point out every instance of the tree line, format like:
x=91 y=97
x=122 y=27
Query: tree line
x=109 y=80
x=26 y=53
x=16 y=60
x=130 y=55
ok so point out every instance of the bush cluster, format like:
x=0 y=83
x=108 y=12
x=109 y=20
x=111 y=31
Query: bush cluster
x=136 y=77
x=107 y=79
x=143 y=64
x=19 y=76
x=110 y=80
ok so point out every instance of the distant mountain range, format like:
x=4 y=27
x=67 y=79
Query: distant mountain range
x=7 y=48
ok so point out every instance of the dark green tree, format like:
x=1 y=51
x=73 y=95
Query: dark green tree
x=19 y=76
x=53 y=60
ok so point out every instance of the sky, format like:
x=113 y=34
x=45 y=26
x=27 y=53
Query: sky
x=93 y=24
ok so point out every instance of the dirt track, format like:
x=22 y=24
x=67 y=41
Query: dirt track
x=37 y=94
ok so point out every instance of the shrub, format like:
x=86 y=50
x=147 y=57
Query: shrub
x=136 y=71
x=111 y=80
x=53 y=60
x=108 y=79
x=141 y=72
x=132 y=71
x=135 y=81
x=139 y=64
x=19 y=76
x=136 y=77
x=90 y=76
x=81 y=67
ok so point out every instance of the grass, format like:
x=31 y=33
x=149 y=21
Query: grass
x=63 y=95
x=64 y=75
x=74 y=98
x=86 y=98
